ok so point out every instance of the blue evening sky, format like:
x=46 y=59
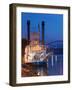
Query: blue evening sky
x=53 y=25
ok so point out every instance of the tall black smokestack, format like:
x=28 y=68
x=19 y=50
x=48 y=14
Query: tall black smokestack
x=43 y=26
x=28 y=29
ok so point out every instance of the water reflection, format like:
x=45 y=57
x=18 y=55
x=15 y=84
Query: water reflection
x=53 y=66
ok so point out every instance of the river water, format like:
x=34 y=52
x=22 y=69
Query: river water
x=53 y=66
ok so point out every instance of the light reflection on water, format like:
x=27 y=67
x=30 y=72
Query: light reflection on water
x=53 y=66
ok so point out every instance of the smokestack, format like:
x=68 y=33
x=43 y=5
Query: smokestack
x=43 y=25
x=28 y=29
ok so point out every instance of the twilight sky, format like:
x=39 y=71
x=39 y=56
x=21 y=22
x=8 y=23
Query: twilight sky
x=53 y=25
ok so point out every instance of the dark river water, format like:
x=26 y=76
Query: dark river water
x=53 y=66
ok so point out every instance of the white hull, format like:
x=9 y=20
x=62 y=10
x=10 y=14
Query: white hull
x=36 y=57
